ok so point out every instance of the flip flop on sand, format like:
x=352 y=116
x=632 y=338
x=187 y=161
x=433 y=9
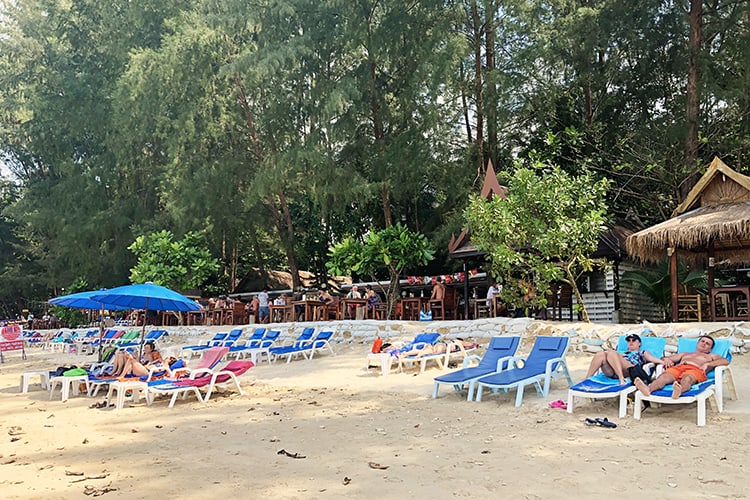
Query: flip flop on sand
x=559 y=404
x=600 y=422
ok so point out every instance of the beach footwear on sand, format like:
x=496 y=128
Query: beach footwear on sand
x=600 y=422
x=559 y=404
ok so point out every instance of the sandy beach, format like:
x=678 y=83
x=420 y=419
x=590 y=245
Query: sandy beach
x=357 y=434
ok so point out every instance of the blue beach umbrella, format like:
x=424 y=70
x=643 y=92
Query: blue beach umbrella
x=146 y=296
x=83 y=300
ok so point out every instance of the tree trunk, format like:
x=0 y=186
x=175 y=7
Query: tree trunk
x=572 y=282
x=692 y=108
x=491 y=86
x=393 y=292
x=465 y=106
x=478 y=95
x=286 y=234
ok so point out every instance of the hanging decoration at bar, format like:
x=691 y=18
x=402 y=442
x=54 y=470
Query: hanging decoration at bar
x=447 y=278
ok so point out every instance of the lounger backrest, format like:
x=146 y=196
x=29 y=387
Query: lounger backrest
x=235 y=334
x=499 y=347
x=305 y=336
x=722 y=347
x=217 y=340
x=257 y=334
x=654 y=345
x=546 y=348
x=212 y=356
x=321 y=338
x=427 y=338
x=254 y=340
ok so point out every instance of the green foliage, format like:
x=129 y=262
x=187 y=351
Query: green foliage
x=392 y=249
x=544 y=231
x=181 y=265
x=68 y=315
x=656 y=283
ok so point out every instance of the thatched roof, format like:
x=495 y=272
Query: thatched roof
x=719 y=213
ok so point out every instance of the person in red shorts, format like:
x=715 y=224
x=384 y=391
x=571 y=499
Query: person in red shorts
x=684 y=369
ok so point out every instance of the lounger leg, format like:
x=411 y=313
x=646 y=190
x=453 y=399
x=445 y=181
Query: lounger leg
x=472 y=386
x=570 y=402
x=702 y=409
x=479 y=392
x=623 y=404
x=435 y=390
x=519 y=394
x=638 y=406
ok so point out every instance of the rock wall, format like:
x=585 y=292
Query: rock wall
x=585 y=337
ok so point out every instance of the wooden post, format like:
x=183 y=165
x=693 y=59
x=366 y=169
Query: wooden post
x=671 y=252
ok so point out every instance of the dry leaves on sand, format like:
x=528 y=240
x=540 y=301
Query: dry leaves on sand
x=97 y=492
x=289 y=454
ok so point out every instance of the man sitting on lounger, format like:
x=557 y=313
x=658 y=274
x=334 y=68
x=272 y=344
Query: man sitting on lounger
x=685 y=369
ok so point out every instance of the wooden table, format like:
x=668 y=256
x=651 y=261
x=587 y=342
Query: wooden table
x=411 y=306
x=730 y=303
x=356 y=305
x=281 y=314
x=196 y=317
x=309 y=307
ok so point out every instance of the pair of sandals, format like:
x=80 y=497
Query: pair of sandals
x=600 y=422
x=559 y=404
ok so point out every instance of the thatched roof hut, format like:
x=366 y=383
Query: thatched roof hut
x=713 y=221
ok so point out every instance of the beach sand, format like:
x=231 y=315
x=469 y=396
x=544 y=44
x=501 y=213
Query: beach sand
x=362 y=436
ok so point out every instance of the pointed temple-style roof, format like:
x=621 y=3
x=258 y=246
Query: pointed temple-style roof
x=460 y=247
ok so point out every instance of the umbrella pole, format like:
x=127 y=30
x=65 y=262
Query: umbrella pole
x=143 y=331
x=101 y=332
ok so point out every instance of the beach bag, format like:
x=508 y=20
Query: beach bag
x=75 y=372
x=377 y=345
x=637 y=371
x=425 y=316
x=60 y=370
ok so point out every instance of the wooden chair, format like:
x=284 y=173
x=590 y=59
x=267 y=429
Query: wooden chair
x=239 y=316
x=689 y=308
x=445 y=308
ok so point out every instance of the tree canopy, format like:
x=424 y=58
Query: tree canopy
x=278 y=128
x=544 y=231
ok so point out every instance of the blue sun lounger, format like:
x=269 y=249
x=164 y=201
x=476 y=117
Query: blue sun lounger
x=545 y=361
x=698 y=393
x=499 y=353
x=602 y=387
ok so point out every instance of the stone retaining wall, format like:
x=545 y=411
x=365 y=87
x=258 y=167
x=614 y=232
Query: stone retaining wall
x=588 y=337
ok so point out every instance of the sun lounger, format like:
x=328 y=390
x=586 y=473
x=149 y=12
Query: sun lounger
x=227 y=375
x=545 y=362
x=499 y=352
x=710 y=390
x=602 y=387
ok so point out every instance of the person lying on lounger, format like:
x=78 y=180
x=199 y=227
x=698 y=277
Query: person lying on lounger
x=126 y=365
x=685 y=369
x=438 y=347
x=616 y=365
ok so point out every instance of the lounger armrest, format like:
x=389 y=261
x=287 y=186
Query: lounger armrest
x=505 y=360
x=199 y=371
x=550 y=362
x=514 y=360
x=469 y=359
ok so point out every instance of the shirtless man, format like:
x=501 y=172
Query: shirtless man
x=685 y=369
x=438 y=289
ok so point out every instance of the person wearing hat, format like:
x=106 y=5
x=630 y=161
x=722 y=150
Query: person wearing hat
x=616 y=365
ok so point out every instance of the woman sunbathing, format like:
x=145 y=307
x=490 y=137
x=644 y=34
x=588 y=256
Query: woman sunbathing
x=615 y=365
x=438 y=347
x=125 y=364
